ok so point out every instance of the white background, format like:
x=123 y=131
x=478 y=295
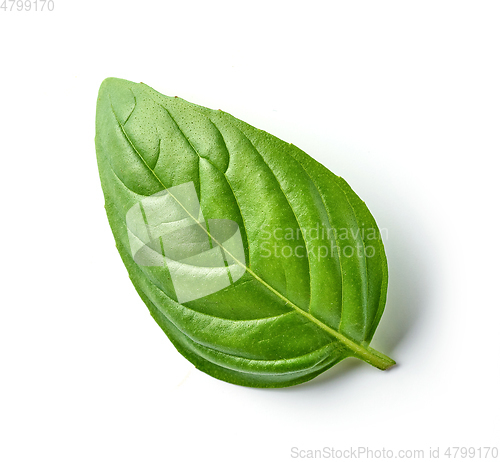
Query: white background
x=400 y=98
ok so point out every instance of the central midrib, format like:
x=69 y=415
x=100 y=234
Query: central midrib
x=368 y=354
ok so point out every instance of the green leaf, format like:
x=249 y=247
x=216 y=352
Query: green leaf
x=263 y=267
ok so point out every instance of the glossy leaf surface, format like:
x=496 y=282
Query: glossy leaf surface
x=262 y=266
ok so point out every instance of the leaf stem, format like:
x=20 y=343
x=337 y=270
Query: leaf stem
x=377 y=359
x=367 y=354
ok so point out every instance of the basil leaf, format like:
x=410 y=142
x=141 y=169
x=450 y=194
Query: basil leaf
x=262 y=266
